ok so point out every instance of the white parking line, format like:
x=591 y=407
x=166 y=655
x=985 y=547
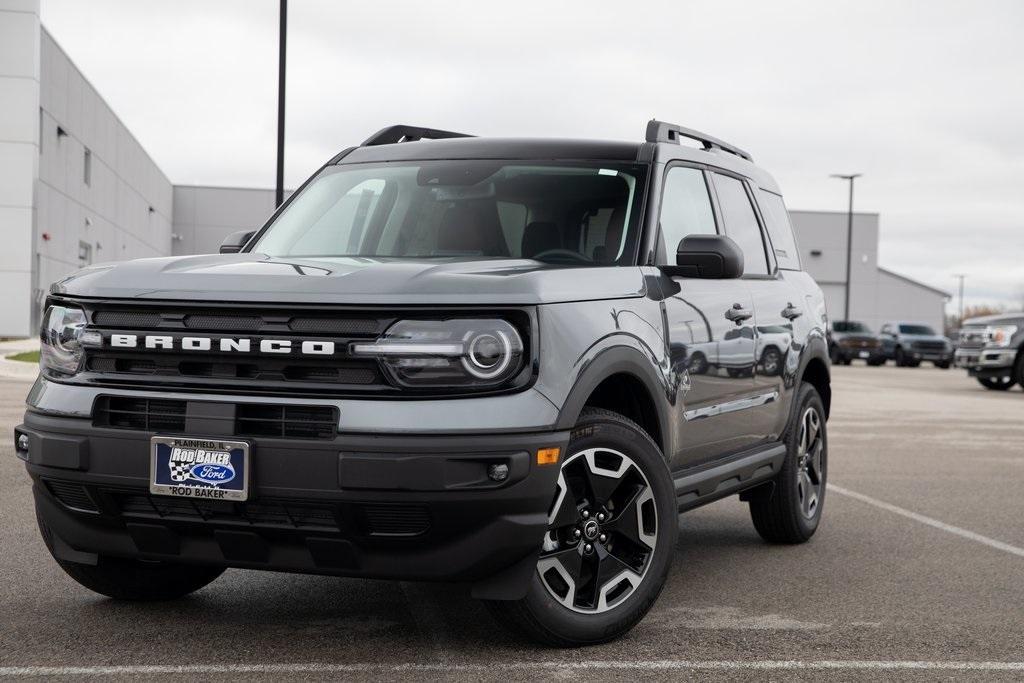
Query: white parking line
x=910 y=514
x=538 y=667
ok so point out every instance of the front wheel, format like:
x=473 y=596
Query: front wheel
x=998 y=382
x=610 y=540
x=788 y=509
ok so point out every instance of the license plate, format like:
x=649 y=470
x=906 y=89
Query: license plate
x=865 y=354
x=199 y=468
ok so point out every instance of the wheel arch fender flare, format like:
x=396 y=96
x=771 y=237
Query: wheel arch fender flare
x=621 y=360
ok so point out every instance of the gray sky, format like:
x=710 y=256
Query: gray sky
x=925 y=98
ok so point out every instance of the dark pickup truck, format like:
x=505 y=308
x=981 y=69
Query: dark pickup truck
x=505 y=362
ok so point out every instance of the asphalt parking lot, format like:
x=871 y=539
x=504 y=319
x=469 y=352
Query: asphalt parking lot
x=916 y=573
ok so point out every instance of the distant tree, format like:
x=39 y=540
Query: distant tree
x=953 y=323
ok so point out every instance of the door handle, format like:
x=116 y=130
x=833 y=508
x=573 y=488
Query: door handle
x=791 y=312
x=738 y=314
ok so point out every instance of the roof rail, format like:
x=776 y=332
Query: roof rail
x=393 y=134
x=659 y=131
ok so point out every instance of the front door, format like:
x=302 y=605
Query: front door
x=710 y=328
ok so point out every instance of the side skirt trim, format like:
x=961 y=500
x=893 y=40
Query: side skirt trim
x=694 y=489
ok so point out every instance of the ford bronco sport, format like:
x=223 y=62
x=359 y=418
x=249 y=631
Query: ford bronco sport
x=505 y=362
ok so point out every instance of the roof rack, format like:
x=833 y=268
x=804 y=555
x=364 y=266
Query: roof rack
x=394 y=134
x=659 y=131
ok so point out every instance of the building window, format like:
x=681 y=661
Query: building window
x=88 y=167
x=84 y=253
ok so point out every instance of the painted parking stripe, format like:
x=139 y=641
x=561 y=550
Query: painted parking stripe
x=910 y=514
x=585 y=665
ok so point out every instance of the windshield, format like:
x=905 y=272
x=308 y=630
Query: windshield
x=916 y=329
x=849 y=326
x=570 y=213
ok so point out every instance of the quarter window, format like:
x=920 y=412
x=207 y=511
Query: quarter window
x=741 y=223
x=685 y=207
x=780 y=230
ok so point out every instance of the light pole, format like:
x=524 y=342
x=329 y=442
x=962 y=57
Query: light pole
x=282 y=43
x=960 y=296
x=849 y=238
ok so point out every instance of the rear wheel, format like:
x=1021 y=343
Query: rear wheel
x=610 y=540
x=771 y=361
x=788 y=509
x=998 y=383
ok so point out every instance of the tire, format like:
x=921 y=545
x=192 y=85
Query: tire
x=1018 y=368
x=875 y=362
x=640 y=505
x=771 y=362
x=136 y=580
x=835 y=355
x=788 y=509
x=900 y=358
x=698 y=364
x=1001 y=383
x=942 y=364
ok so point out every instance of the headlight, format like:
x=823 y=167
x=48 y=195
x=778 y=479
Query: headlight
x=1000 y=335
x=448 y=353
x=61 y=337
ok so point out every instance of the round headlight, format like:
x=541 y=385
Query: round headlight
x=60 y=348
x=488 y=354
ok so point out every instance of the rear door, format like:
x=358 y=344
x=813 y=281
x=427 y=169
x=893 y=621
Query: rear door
x=710 y=328
x=775 y=307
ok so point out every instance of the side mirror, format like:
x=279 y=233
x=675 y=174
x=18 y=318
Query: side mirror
x=710 y=257
x=234 y=242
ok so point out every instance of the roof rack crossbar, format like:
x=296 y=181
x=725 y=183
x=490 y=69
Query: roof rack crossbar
x=394 y=134
x=660 y=131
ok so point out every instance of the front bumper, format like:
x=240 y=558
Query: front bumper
x=870 y=354
x=985 y=362
x=417 y=507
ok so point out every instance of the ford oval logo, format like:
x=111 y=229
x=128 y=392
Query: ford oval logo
x=212 y=473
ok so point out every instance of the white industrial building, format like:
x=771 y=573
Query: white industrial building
x=77 y=188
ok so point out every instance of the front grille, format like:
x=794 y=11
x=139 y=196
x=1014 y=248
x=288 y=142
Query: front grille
x=380 y=519
x=973 y=338
x=140 y=414
x=72 y=495
x=182 y=366
x=302 y=422
x=929 y=346
x=250 y=419
x=268 y=513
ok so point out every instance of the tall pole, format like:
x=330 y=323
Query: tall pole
x=960 y=297
x=282 y=45
x=849 y=239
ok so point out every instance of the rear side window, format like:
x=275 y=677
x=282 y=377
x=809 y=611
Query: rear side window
x=741 y=223
x=780 y=230
x=685 y=207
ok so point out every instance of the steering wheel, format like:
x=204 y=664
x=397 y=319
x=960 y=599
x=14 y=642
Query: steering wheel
x=562 y=255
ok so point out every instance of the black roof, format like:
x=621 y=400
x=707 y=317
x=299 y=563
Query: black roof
x=497 y=148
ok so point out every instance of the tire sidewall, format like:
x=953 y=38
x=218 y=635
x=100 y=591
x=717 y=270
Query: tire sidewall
x=596 y=628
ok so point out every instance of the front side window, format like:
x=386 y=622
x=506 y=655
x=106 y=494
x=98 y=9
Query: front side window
x=573 y=213
x=685 y=207
x=741 y=223
x=850 y=326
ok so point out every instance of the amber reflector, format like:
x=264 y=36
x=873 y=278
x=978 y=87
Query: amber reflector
x=548 y=456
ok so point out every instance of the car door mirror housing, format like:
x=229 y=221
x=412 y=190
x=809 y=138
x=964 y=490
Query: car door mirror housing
x=234 y=242
x=709 y=257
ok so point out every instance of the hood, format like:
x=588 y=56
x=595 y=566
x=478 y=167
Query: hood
x=854 y=336
x=261 y=278
x=924 y=337
x=997 y=319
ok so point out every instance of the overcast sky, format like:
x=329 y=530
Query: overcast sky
x=926 y=98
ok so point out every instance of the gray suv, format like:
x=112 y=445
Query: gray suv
x=910 y=343
x=505 y=362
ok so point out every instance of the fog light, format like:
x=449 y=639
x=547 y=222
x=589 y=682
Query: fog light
x=497 y=472
x=22 y=446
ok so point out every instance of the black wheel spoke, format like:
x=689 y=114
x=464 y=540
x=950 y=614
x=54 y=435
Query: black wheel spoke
x=627 y=519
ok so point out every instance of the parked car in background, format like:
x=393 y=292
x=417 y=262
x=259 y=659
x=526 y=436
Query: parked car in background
x=992 y=350
x=910 y=343
x=849 y=340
